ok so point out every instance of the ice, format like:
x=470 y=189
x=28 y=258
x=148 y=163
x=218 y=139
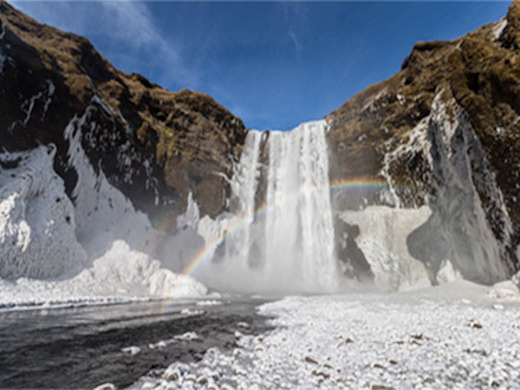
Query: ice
x=400 y=341
x=460 y=228
x=188 y=336
x=54 y=252
x=447 y=273
x=106 y=386
x=103 y=213
x=506 y=289
x=120 y=275
x=37 y=219
x=383 y=239
x=209 y=303
x=191 y=312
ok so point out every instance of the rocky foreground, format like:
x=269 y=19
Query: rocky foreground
x=456 y=336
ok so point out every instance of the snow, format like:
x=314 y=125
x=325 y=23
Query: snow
x=133 y=350
x=209 y=302
x=429 y=339
x=460 y=229
x=191 y=216
x=37 y=219
x=100 y=207
x=120 y=275
x=507 y=289
x=447 y=273
x=499 y=28
x=48 y=100
x=383 y=239
x=55 y=253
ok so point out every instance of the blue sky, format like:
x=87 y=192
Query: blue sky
x=274 y=64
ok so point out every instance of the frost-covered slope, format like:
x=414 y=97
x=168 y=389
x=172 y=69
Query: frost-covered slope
x=416 y=231
x=123 y=156
x=442 y=133
x=119 y=275
x=37 y=219
x=47 y=258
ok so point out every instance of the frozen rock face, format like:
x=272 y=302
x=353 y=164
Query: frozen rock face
x=45 y=257
x=37 y=219
x=382 y=239
x=443 y=132
x=454 y=235
x=103 y=212
x=460 y=228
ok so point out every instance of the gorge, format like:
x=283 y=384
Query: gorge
x=407 y=185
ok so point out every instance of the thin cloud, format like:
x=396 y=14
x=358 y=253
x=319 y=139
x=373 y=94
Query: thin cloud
x=293 y=18
x=126 y=30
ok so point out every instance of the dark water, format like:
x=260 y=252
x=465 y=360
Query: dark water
x=81 y=347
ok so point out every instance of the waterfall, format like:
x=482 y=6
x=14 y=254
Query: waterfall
x=285 y=238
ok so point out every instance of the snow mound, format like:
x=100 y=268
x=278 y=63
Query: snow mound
x=507 y=289
x=121 y=274
x=37 y=222
x=447 y=273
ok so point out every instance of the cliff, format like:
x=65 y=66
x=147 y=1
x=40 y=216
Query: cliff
x=444 y=131
x=154 y=145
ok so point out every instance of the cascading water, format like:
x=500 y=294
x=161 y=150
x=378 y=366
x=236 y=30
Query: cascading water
x=284 y=237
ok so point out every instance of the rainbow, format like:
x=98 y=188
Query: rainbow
x=353 y=183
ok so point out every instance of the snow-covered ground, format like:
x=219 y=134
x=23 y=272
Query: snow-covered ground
x=453 y=336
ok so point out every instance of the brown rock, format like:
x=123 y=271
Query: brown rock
x=187 y=138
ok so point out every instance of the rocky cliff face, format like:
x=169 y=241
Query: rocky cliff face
x=155 y=146
x=445 y=132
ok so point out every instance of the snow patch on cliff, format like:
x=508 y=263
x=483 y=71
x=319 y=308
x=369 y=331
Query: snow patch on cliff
x=471 y=235
x=383 y=240
x=499 y=28
x=103 y=213
x=54 y=252
x=37 y=219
